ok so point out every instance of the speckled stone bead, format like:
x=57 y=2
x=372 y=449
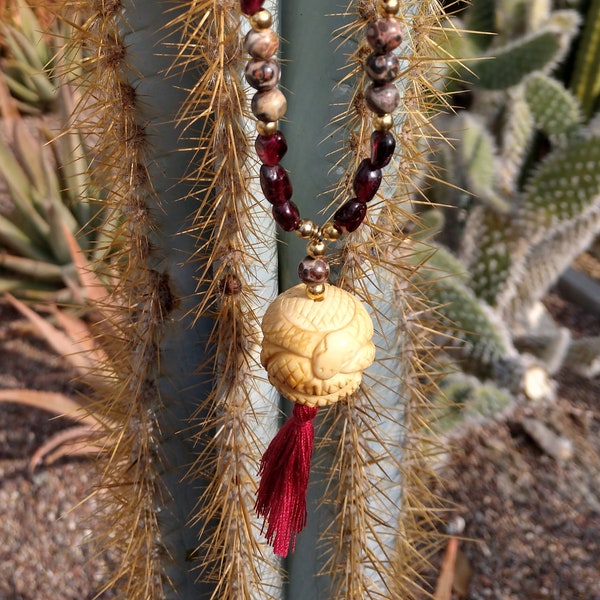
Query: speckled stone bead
x=383 y=145
x=287 y=216
x=269 y=106
x=271 y=149
x=249 y=7
x=382 y=68
x=382 y=99
x=262 y=74
x=313 y=270
x=384 y=35
x=275 y=184
x=366 y=181
x=350 y=215
x=261 y=44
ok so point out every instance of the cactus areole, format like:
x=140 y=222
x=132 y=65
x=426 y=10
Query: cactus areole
x=316 y=336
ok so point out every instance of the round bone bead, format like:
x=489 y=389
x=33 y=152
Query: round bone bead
x=382 y=99
x=313 y=270
x=271 y=149
x=384 y=35
x=261 y=44
x=350 y=215
x=382 y=68
x=262 y=74
x=315 y=351
x=287 y=215
x=268 y=106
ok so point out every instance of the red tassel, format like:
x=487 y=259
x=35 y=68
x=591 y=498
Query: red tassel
x=284 y=472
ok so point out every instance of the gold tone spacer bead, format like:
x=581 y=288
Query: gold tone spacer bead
x=266 y=129
x=330 y=232
x=306 y=229
x=383 y=122
x=389 y=8
x=261 y=20
x=315 y=291
x=316 y=248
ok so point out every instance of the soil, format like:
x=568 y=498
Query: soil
x=532 y=521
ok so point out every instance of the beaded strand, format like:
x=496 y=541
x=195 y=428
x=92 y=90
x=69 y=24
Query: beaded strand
x=269 y=105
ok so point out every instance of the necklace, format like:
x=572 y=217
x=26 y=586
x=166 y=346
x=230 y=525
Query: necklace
x=316 y=336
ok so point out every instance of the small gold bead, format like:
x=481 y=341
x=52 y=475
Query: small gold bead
x=266 y=129
x=306 y=229
x=389 y=7
x=316 y=248
x=315 y=291
x=383 y=122
x=330 y=232
x=261 y=20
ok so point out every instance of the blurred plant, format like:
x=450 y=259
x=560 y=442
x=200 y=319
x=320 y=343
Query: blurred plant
x=523 y=198
x=28 y=69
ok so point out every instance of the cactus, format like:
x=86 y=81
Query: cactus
x=193 y=255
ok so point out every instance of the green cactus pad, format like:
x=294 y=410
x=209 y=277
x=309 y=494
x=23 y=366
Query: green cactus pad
x=554 y=109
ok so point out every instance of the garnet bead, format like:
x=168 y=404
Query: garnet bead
x=275 y=184
x=313 y=270
x=350 y=215
x=271 y=149
x=262 y=74
x=382 y=99
x=366 y=181
x=382 y=68
x=287 y=216
x=383 y=145
x=384 y=35
x=249 y=7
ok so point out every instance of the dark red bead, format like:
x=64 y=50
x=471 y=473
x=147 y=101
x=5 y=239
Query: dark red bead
x=249 y=7
x=287 y=216
x=350 y=215
x=383 y=145
x=271 y=149
x=366 y=181
x=275 y=184
x=313 y=270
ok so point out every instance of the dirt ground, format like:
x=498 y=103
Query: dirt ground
x=532 y=522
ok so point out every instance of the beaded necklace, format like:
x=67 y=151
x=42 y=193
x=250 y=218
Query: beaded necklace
x=317 y=337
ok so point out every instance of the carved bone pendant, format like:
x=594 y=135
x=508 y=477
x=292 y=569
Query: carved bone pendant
x=315 y=351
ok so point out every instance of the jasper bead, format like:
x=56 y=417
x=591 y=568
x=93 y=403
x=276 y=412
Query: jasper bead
x=366 y=181
x=383 y=145
x=271 y=149
x=275 y=184
x=313 y=270
x=382 y=99
x=350 y=215
x=249 y=7
x=262 y=74
x=261 y=44
x=382 y=68
x=384 y=35
x=287 y=216
x=269 y=106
